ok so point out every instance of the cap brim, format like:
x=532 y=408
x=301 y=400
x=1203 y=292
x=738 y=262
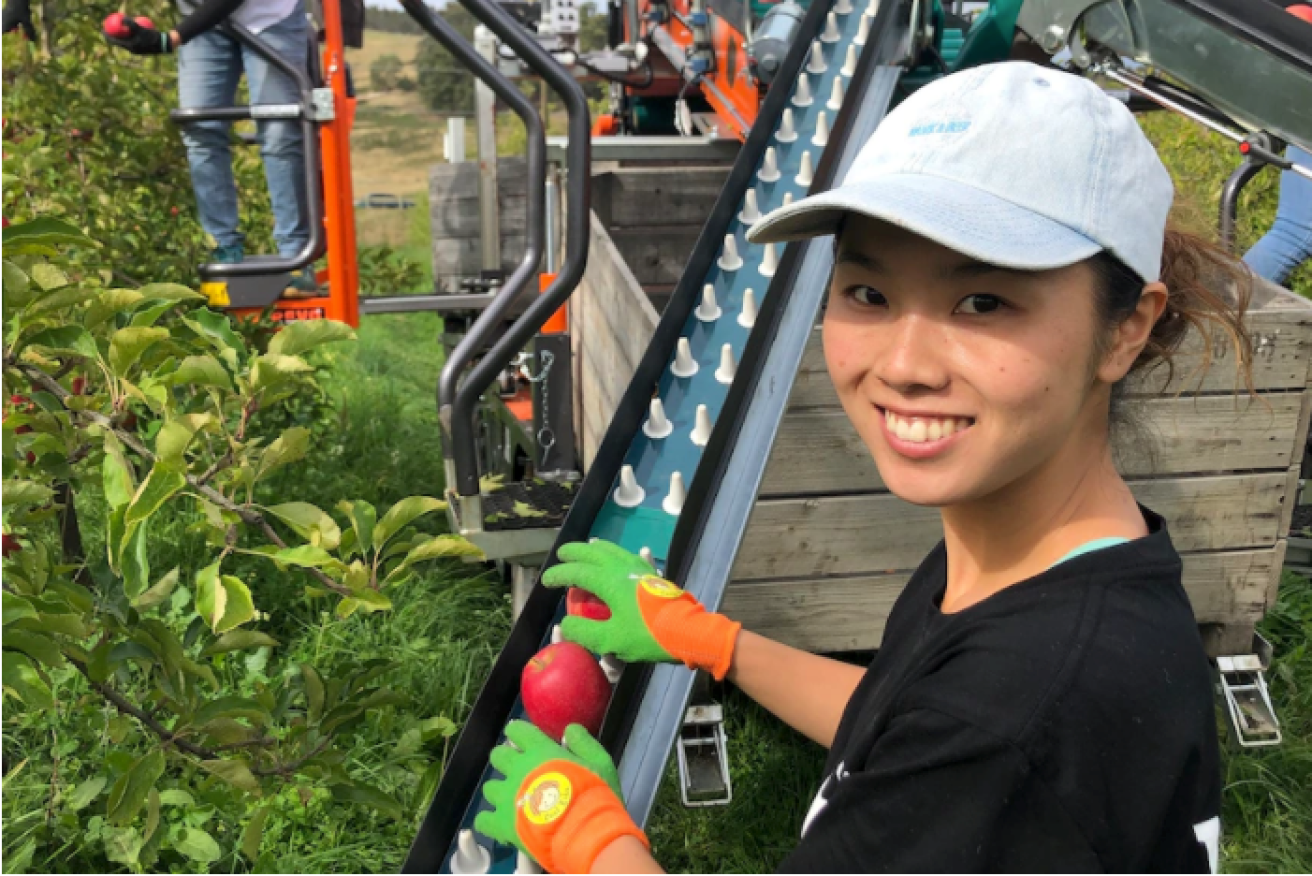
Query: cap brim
x=954 y=214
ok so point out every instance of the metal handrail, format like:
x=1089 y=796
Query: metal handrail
x=314 y=245
x=459 y=420
x=490 y=319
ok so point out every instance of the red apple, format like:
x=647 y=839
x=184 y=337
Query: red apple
x=144 y=21
x=562 y=685
x=581 y=603
x=79 y=385
x=11 y=545
x=115 y=27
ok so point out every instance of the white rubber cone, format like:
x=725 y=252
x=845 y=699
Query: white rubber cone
x=470 y=857
x=628 y=494
x=788 y=198
x=684 y=364
x=843 y=7
x=728 y=367
x=769 y=171
x=556 y=637
x=836 y=95
x=786 y=133
x=647 y=556
x=729 y=258
x=802 y=94
x=849 y=66
x=708 y=310
x=684 y=113
x=816 y=64
x=806 y=170
x=673 y=503
x=831 y=33
x=872 y=8
x=525 y=864
x=821 y=136
x=863 y=30
x=658 y=425
x=747 y=316
x=612 y=666
x=769 y=261
x=701 y=432
x=750 y=214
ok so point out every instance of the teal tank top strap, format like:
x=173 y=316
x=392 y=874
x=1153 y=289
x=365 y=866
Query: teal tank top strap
x=1091 y=546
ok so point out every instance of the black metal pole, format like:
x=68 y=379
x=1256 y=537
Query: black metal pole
x=1234 y=184
x=578 y=162
x=492 y=316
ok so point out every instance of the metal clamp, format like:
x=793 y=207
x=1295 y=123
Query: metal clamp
x=322 y=106
x=704 y=758
x=1247 y=700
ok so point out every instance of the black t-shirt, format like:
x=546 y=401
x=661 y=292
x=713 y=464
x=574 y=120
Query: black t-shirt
x=1065 y=724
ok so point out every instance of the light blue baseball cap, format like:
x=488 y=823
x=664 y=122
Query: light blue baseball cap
x=1013 y=164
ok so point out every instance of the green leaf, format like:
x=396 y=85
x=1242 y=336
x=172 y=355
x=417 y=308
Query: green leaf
x=368 y=795
x=66 y=339
x=108 y=304
x=234 y=772
x=84 y=793
x=287 y=448
x=313 y=693
x=309 y=522
x=48 y=276
x=232 y=707
x=44 y=231
x=16 y=608
x=240 y=608
x=172 y=441
x=130 y=791
x=401 y=515
x=363 y=516
x=211 y=596
x=163 y=481
x=23 y=681
x=240 y=640
x=198 y=845
x=117 y=474
x=306 y=555
x=170 y=291
x=16 y=285
x=176 y=797
x=216 y=329
x=40 y=648
x=152 y=814
x=296 y=337
x=253 y=833
x=441 y=546
x=128 y=344
x=201 y=371
x=371 y=600
x=136 y=565
x=157 y=594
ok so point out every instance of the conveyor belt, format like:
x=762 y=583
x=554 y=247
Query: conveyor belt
x=845 y=87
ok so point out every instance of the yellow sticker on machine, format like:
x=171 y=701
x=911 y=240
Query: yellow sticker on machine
x=217 y=293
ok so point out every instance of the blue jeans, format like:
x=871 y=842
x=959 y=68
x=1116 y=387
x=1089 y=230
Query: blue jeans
x=1289 y=242
x=209 y=68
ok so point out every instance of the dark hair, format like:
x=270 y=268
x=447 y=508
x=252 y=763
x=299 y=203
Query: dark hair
x=1208 y=290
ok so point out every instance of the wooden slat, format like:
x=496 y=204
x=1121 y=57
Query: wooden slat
x=1282 y=335
x=845 y=535
x=656 y=256
x=819 y=452
x=611 y=323
x=448 y=182
x=648 y=197
x=848 y=614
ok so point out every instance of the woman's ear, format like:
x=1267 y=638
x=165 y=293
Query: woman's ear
x=1131 y=336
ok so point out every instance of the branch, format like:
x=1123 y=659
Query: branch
x=130 y=440
x=287 y=769
x=164 y=733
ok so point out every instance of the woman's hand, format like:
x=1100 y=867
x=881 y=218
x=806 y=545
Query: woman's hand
x=559 y=804
x=651 y=620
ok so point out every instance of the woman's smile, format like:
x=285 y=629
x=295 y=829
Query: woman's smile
x=922 y=435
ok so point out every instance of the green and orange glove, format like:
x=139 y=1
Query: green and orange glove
x=651 y=620
x=559 y=804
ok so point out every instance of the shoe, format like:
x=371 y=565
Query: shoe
x=228 y=255
x=302 y=285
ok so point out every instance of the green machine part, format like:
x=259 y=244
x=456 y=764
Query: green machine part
x=988 y=40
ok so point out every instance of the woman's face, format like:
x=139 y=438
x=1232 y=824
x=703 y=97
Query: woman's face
x=961 y=378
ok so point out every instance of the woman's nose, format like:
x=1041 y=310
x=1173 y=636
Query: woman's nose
x=912 y=355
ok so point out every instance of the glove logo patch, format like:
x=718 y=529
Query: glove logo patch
x=547 y=798
x=659 y=587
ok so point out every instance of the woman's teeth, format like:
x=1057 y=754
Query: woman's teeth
x=921 y=430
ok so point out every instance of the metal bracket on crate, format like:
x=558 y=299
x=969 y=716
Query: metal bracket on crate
x=325 y=110
x=1247 y=700
x=703 y=751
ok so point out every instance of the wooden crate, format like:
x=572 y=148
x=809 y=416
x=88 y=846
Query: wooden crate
x=828 y=548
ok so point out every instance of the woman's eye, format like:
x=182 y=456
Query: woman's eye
x=976 y=304
x=866 y=295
